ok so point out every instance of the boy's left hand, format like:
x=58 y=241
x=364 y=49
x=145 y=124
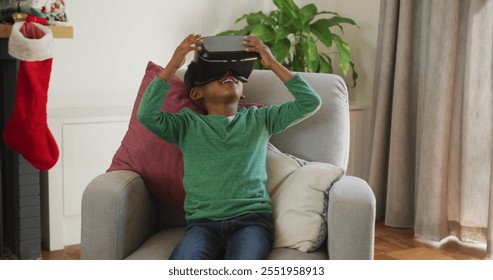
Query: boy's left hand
x=256 y=45
x=267 y=58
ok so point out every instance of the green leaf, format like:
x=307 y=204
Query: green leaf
x=310 y=53
x=290 y=15
x=264 y=32
x=252 y=18
x=327 y=12
x=241 y=18
x=321 y=30
x=276 y=17
x=355 y=74
x=312 y=49
x=329 y=60
x=298 y=63
x=344 y=53
x=287 y=7
x=281 y=49
x=270 y=21
x=337 y=20
x=281 y=33
x=307 y=13
x=244 y=17
x=325 y=64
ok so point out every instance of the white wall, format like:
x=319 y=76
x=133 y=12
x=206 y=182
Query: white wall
x=104 y=62
x=363 y=42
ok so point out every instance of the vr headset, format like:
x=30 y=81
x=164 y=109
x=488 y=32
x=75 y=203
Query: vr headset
x=220 y=54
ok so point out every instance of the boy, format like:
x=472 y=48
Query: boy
x=227 y=207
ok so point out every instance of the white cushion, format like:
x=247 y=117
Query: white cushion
x=297 y=189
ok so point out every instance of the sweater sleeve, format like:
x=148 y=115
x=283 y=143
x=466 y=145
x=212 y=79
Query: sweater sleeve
x=167 y=126
x=280 y=117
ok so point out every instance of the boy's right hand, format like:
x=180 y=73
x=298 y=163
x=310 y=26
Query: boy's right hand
x=190 y=43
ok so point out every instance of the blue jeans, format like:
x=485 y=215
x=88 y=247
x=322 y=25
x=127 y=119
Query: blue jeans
x=247 y=237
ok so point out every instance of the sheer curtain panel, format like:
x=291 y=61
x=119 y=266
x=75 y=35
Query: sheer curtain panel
x=432 y=147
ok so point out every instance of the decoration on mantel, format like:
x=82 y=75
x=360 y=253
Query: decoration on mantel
x=11 y=10
x=52 y=10
x=27 y=130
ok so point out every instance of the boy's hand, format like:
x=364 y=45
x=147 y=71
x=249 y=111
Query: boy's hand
x=267 y=58
x=256 y=45
x=179 y=56
x=187 y=45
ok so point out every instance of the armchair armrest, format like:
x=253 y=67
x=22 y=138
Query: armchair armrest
x=118 y=215
x=351 y=220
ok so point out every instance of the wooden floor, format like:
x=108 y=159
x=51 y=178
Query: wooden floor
x=390 y=244
x=400 y=244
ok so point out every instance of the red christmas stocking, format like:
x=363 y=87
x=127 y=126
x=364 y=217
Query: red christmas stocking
x=27 y=130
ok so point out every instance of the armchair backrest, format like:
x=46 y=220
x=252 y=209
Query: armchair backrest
x=324 y=137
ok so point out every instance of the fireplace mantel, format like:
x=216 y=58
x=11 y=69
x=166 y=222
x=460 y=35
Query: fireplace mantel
x=60 y=32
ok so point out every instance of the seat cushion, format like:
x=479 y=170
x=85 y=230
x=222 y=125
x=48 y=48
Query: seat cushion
x=161 y=245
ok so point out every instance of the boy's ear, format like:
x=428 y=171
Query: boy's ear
x=195 y=94
x=242 y=97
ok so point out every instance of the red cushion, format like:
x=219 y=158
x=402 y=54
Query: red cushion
x=159 y=163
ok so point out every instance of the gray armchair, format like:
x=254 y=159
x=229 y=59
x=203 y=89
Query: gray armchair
x=122 y=220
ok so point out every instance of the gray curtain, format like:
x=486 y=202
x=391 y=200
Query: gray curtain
x=431 y=165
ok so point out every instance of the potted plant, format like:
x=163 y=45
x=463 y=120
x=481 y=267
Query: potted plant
x=292 y=33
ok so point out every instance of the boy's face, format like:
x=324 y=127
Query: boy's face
x=227 y=89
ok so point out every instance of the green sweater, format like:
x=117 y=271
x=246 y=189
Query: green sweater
x=225 y=161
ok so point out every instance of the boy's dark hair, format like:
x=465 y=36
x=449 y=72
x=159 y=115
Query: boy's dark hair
x=189 y=79
x=190 y=76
